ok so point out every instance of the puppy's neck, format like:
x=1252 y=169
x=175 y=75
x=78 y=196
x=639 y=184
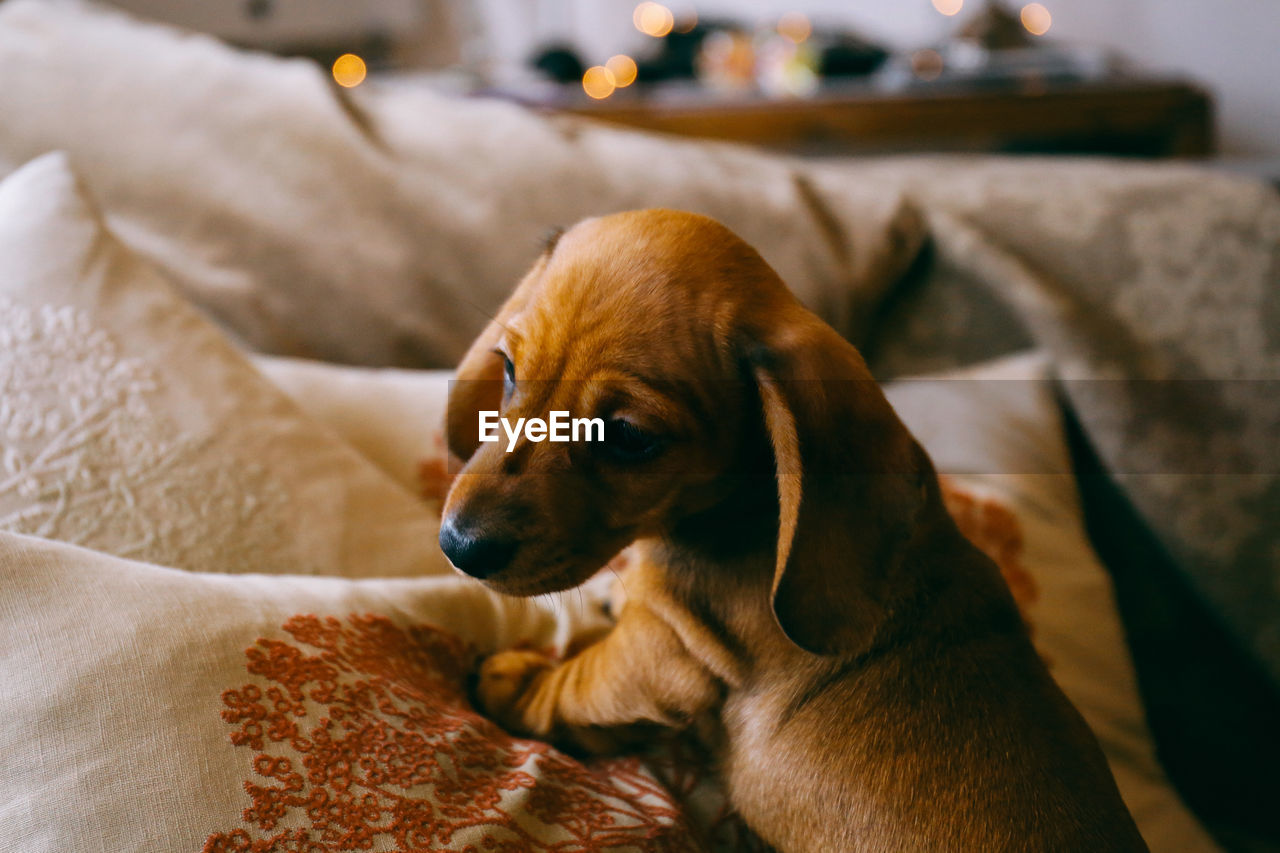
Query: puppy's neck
x=722 y=559
x=744 y=523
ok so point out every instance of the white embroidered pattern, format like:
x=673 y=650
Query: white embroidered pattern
x=87 y=460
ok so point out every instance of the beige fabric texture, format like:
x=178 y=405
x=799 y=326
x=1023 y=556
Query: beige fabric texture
x=395 y=418
x=384 y=225
x=1154 y=285
x=130 y=425
x=994 y=433
x=143 y=704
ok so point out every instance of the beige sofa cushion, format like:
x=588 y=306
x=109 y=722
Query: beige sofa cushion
x=395 y=418
x=130 y=425
x=385 y=224
x=1154 y=285
x=147 y=709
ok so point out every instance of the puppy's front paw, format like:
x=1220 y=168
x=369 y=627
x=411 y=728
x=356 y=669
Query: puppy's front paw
x=504 y=678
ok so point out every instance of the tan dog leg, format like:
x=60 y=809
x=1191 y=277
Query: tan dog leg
x=639 y=672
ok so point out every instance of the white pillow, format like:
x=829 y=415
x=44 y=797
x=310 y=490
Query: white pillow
x=147 y=709
x=131 y=426
x=382 y=225
x=995 y=434
x=395 y=418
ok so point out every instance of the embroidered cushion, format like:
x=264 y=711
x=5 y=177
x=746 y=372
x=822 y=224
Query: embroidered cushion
x=151 y=709
x=129 y=425
x=383 y=225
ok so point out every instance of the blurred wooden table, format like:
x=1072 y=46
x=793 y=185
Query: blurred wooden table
x=1121 y=116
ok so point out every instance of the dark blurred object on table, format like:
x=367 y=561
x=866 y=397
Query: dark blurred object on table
x=849 y=55
x=996 y=28
x=677 y=54
x=683 y=55
x=560 y=62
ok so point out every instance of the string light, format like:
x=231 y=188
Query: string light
x=794 y=26
x=927 y=64
x=1036 y=19
x=687 y=21
x=948 y=7
x=349 y=70
x=623 y=68
x=653 y=19
x=598 y=82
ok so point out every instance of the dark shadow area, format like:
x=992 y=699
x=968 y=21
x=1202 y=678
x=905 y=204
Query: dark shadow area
x=1214 y=714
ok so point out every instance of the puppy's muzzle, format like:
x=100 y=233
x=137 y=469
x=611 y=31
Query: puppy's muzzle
x=474 y=552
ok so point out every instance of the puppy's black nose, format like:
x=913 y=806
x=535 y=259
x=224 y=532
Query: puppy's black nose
x=476 y=554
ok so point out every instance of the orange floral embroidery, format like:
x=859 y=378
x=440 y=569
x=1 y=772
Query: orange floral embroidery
x=364 y=740
x=994 y=528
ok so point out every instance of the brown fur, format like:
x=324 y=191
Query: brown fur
x=799 y=575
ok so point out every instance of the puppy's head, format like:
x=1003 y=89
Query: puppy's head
x=701 y=366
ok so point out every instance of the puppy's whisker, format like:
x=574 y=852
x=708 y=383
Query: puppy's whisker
x=621 y=582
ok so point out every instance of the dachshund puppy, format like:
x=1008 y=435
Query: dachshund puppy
x=799 y=577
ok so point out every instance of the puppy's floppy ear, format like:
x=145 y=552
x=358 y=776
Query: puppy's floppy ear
x=477 y=383
x=850 y=483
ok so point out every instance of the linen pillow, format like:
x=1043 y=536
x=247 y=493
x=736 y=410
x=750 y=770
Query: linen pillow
x=995 y=434
x=395 y=418
x=152 y=709
x=1154 y=287
x=131 y=426
x=384 y=225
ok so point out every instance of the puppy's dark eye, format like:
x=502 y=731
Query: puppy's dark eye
x=626 y=442
x=508 y=377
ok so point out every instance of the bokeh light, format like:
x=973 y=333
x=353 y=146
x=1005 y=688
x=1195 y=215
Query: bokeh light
x=794 y=26
x=349 y=70
x=727 y=61
x=927 y=64
x=686 y=22
x=598 y=82
x=1036 y=19
x=623 y=68
x=948 y=7
x=653 y=19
